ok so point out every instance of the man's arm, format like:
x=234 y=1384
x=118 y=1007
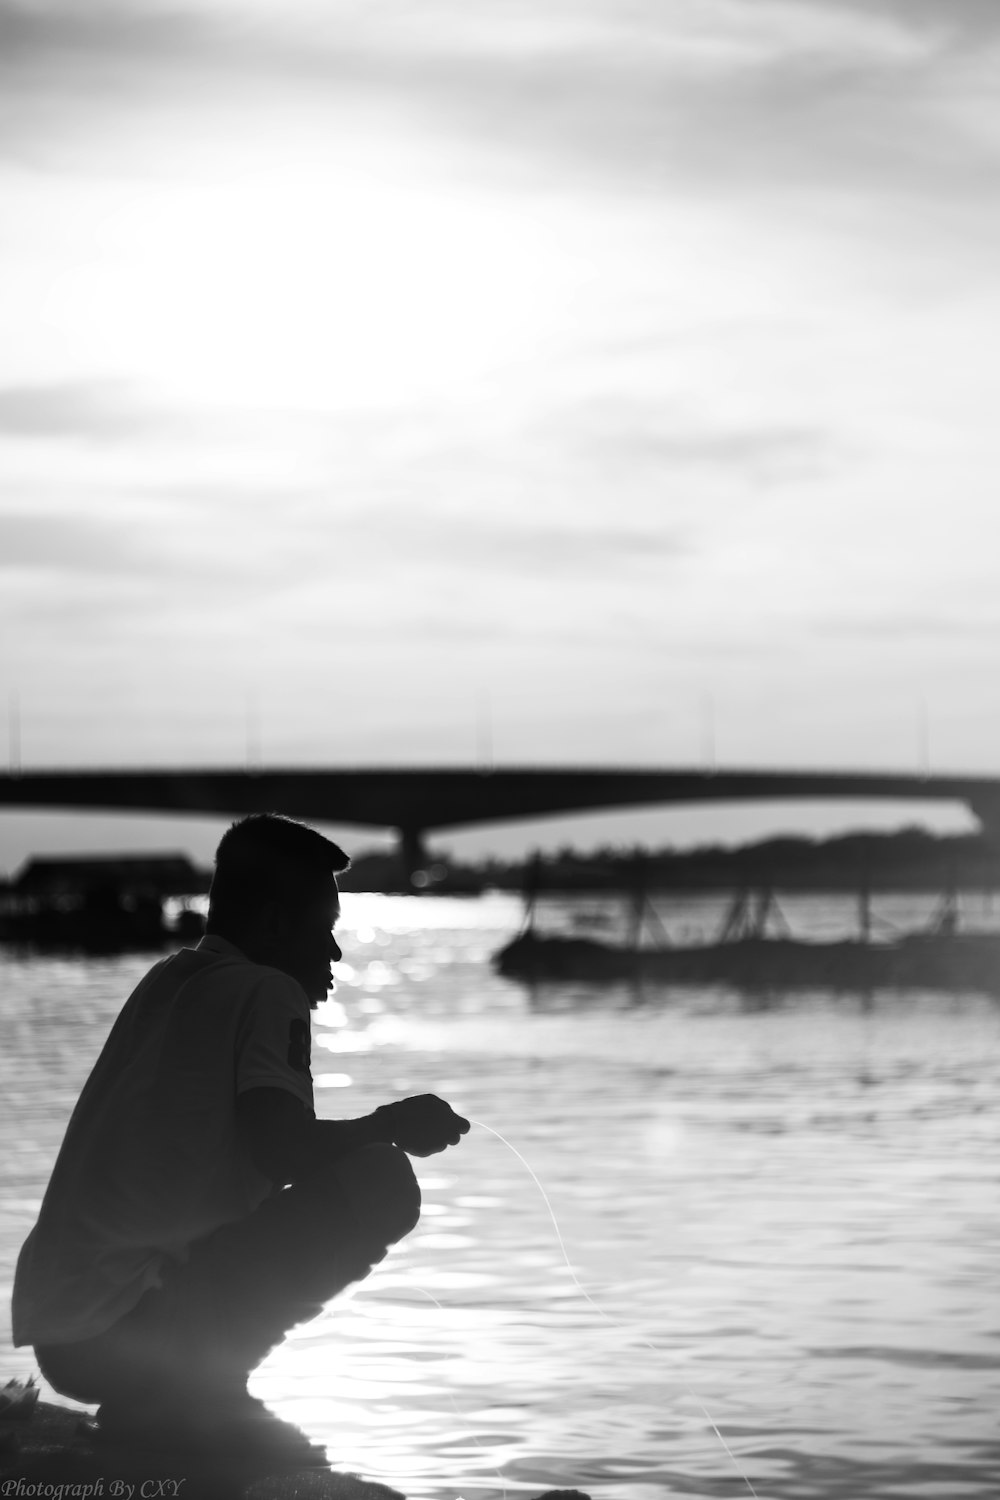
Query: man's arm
x=285 y=1142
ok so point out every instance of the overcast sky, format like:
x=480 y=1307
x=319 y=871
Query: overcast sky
x=567 y=380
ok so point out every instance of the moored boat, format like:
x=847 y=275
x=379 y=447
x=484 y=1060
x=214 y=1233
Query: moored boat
x=948 y=961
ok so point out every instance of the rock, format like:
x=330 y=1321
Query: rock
x=18 y=1399
x=51 y=1445
x=41 y=1443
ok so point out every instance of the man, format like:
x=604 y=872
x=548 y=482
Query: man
x=198 y=1210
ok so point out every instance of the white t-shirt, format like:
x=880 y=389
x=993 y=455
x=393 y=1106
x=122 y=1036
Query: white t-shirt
x=151 y=1160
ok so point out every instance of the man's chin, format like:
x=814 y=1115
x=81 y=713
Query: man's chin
x=320 y=993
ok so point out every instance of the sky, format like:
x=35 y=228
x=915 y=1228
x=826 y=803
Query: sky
x=558 y=382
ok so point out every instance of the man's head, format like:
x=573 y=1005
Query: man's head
x=274 y=895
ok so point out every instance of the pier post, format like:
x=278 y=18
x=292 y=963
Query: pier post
x=865 y=903
x=532 y=884
x=413 y=852
x=986 y=807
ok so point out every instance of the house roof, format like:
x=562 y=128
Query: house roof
x=164 y=874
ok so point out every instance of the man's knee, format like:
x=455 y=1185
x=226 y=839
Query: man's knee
x=383 y=1190
x=68 y=1372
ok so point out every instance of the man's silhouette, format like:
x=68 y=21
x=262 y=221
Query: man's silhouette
x=197 y=1209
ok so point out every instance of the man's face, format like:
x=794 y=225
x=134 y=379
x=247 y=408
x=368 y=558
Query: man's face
x=311 y=947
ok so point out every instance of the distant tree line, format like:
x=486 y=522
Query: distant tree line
x=908 y=859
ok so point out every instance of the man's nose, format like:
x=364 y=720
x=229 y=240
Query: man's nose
x=336 y=953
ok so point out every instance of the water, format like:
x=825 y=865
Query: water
x=786 y=1213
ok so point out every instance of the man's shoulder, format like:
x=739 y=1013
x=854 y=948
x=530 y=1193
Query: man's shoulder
x=259 y=982
x=220 y=973
x=280 y=985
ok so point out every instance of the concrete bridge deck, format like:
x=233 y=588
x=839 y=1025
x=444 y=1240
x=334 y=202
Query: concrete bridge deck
x=418 y=800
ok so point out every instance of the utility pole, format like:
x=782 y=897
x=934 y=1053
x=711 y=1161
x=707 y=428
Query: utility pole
x=253 y=758
x=14 y=731
x=708 y=734
x=484 y=732
x=923 y=740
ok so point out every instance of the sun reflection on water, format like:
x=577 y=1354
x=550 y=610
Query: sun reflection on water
x=785 y=1217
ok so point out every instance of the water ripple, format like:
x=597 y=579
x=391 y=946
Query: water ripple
x=786 y=1216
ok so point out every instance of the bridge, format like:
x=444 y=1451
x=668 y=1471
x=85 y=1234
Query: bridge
x=416 y=801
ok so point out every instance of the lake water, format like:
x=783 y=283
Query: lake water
x=785 y=1217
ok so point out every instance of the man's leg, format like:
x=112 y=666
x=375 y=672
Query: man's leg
x=243 y=1287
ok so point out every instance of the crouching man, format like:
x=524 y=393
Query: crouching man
x=198 y=1210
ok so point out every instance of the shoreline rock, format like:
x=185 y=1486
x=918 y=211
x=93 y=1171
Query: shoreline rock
x=45 y=1445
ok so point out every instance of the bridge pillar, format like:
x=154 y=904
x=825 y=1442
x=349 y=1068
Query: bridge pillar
x=413 y=853
x=987 y=810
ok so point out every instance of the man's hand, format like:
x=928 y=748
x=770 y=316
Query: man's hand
x=423 y=1125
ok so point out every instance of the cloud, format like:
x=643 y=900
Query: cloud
x=860 y=136
x=735 y=94
x=60 y=63
x=72 y=408
x=66 y=543
x=969 y=22
x=188 y=565
x=642 y=93
x=528 y=546
x=628 y=432
x=907 y=627
x=104 y=27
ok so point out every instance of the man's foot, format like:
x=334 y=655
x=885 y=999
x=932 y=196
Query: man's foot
x=235 y=1429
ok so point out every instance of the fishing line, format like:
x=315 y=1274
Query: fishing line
x=615 y=1323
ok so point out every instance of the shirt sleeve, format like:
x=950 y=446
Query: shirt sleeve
x=273 y=1039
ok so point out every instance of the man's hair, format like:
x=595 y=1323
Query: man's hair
x=267 y=858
